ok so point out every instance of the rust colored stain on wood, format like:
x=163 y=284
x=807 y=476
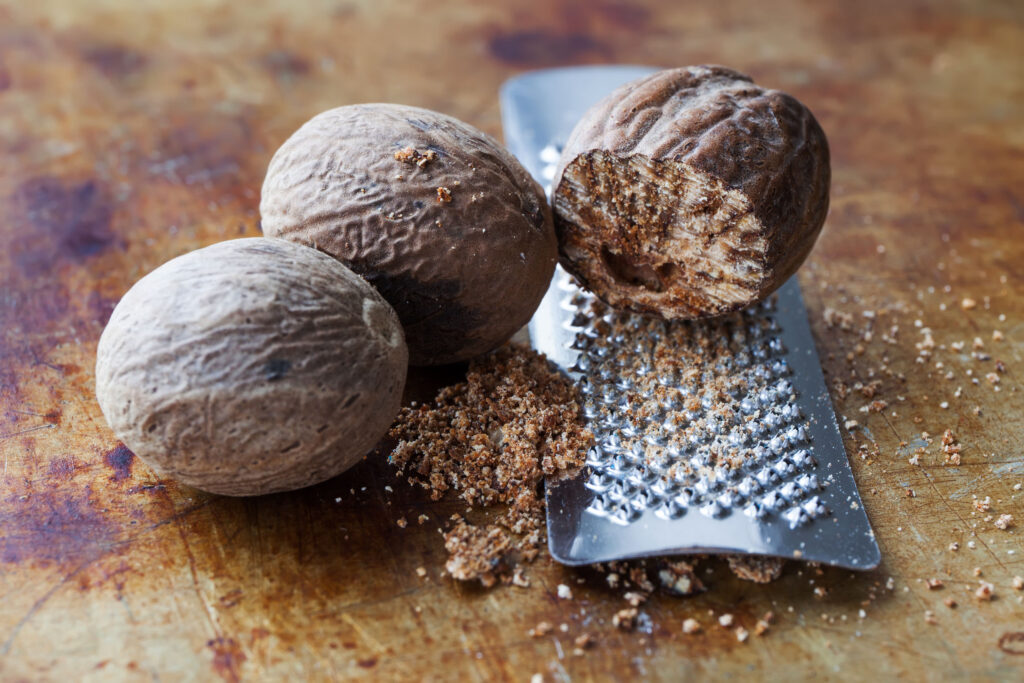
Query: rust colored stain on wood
x=55 y=526
x=120 y=460
x=539 y=48
x=125 y=146
x=114 y=61
x=63 y=221
x=227 y=658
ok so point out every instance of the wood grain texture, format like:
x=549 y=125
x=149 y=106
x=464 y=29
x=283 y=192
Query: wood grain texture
x=134 y=132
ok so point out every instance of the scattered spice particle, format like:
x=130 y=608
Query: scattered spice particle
x=678 y=578
x=764 y=623
x=950 y=446
x=1004 y=522
x=985 y=591
x=929 y=617
x=519 y=579
x=635 y=598
x=410 y=155
x=564 y=592
x=421 y=571
x=949 y=602
x=581 y=643
x=742 y=634
x=935 y=584
x=625 y=618
x=421 y=519
x=401 y=522
x=691 y=625
x=475 y=552
x=968 y=304
x=725 y=620
x=444 y=194
x=1018 y=583
x=540 y=630
x=954 y=546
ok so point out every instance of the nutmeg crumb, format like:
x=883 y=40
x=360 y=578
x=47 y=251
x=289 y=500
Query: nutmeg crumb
x=444 y=194
x=409 y=155
x=625 y=619
x=756 y=568
x=582 y=642
x=540 y=630
x=475 y=552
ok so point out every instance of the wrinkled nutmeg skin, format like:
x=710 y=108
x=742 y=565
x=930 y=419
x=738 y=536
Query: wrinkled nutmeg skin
x=691 y=193
x=436 y=215
x=251 y=366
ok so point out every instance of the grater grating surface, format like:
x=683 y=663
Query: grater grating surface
x=713 y=436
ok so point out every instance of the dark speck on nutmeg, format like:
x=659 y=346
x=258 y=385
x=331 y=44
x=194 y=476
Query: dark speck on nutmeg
x=276 y=368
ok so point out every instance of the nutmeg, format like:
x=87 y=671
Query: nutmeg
x=435 y=214
x=690 y=193
x=251 y=366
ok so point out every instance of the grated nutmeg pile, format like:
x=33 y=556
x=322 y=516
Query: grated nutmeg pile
x=492 y=439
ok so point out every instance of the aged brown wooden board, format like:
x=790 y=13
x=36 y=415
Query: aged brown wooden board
x=130 y=134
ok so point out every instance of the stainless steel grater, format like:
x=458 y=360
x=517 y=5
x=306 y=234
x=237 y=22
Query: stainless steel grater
x=655 y=482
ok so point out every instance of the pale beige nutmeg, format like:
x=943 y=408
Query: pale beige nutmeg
x=441 y=219
x=251 y=366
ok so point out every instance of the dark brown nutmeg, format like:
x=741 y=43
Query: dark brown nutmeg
x=435 y=214
x=691 y=192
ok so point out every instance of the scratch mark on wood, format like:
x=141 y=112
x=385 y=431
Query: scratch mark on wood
x=38 y=604
x=27 y=430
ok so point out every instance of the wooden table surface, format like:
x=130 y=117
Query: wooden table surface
x=132 y=132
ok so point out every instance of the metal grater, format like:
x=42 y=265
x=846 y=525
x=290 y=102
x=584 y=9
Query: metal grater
x=653 y=484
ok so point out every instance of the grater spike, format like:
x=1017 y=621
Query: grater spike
x=655 y=482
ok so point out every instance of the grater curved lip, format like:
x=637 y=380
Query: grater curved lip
x=645 y=490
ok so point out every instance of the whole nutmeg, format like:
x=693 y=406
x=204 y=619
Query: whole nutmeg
x=691 y=192
x=436 y=215
x=251 y=366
